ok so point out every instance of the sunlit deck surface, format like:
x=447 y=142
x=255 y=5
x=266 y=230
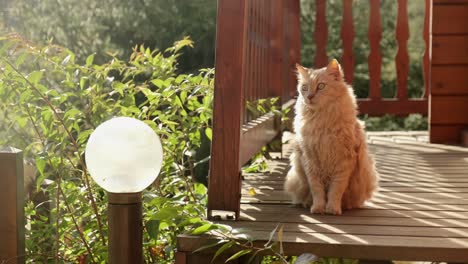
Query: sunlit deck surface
x=420 y=212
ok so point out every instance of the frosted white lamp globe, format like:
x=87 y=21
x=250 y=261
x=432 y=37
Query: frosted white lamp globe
x=124 y=155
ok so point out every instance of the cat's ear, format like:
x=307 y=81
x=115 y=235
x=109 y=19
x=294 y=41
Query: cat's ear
x=302 y=71
x=334 y=70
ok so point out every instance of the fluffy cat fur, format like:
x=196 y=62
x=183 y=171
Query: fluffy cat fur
x=331 y=169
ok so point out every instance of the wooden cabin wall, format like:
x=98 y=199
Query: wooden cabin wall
x=448 y=115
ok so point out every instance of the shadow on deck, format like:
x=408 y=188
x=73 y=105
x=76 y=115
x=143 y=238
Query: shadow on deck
x=420 y=212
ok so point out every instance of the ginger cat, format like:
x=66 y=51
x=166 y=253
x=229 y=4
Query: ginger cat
x=331 y=169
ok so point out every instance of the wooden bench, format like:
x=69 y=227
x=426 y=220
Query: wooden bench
x=420 y=212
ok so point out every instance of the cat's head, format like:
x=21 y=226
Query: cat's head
x=318 y=87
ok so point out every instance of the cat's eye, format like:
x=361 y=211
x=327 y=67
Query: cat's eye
x=320 y=86
x=304 y=88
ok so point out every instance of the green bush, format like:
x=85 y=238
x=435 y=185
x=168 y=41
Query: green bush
x=50 y=105
x=104 y=26
x=393 y=123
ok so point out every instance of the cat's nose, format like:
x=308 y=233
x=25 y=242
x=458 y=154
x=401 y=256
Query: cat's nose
x=310 y=96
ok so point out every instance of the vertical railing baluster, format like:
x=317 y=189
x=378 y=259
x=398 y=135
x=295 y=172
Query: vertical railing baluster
x=277 y=46
x=427 y=49
x=263 y=49
x=249 y=57
x=402 y=58
x=321 y=34
x=255 y=49
x=269 y=49
x=375 y=56
x=259 y=48
x=258 y=40
x=294 y=47
x=347 y=35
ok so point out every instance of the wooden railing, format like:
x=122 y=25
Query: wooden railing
x=257 y=45
x=375 y=105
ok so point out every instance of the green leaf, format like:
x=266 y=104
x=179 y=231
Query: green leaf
x=222 y=249
x=209 y=246
x=209 y=133
x=152 y=226
x=66 y=59
x=6 y=46
x=89 y=60
x=40 y=165
x=22 y=121
x=203 y=229
x=35 y=76
x=190 y=221
x=166 y=213
x=272 y=234
x=72 y=113
x=239 y=254
x=200 y=189
x=83 y=136
x=159 y=83
x=21 y=58
x=83 y=82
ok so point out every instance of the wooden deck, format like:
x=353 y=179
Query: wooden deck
x=420 y=212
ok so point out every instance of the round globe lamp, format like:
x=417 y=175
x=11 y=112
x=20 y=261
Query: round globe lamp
x=124 y=156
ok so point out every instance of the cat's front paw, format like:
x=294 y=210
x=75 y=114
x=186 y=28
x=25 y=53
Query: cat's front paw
x=317 y=208
x=333 y=209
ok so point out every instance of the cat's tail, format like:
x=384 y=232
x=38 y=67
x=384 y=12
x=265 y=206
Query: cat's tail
x=364 y=181
x=296 y=182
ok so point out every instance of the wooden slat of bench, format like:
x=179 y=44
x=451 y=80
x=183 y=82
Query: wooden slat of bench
x=382 y=189
x=253 y=210
x=374 y=206
x=416 y=184
x=307 y=218
x=267 y=195
x=383 y=178
x=356 y=229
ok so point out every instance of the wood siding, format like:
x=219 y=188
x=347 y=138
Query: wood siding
x=449 y=79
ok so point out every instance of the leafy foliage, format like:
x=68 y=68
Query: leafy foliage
x=392 y=123
x=114 y=26
x=51 y=104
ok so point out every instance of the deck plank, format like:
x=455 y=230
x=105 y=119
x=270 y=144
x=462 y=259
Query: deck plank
x=419 y=213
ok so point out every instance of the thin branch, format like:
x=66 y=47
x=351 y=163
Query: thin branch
x=75 y=145
x=42 y=139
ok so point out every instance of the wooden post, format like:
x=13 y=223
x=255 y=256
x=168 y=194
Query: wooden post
x=224 y=182
x=125 y=228
x=12 y=206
